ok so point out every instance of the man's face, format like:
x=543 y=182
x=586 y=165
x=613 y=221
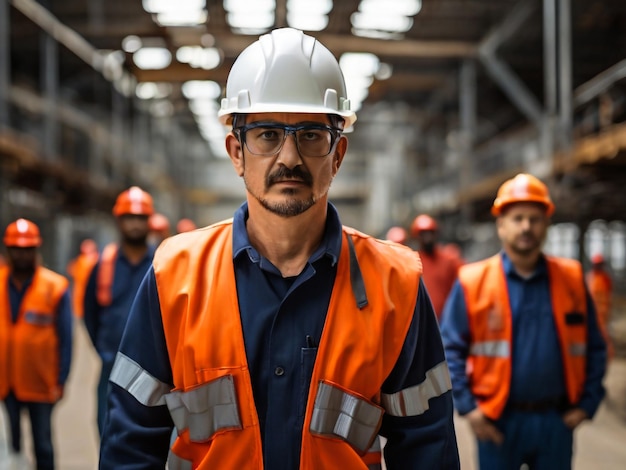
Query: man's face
x=522 y=227
x=22 y=259
x=286 y=183
x=133 y=228
x=427 y=240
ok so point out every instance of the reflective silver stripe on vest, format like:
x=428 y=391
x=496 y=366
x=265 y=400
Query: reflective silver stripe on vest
x=131 y=377
x=413 y=401
x=490 y=349
x=39 y=319
x=340 y=414
x=205 y=410
x=578 y=349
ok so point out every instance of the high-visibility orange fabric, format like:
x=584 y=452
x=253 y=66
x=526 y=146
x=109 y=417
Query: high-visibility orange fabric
x=106 y=272
x=491 y=320
x=79 y=270
x=29 y=348
x=358 y=348
x=601 y=288
x=440 y=272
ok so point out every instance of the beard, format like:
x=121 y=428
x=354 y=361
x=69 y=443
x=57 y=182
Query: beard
x=525 y=244
x=133 y=239
x=292 y=206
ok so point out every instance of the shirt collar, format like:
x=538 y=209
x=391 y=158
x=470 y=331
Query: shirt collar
x=329 y=247
x=509 y=269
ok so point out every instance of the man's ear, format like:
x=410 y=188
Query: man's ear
x=235 y=152
x=340 y=152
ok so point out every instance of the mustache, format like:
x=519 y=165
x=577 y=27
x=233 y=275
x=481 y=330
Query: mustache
x=296 y=173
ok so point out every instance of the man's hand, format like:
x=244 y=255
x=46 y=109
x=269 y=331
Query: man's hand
x=574 y=417
x=484 y=429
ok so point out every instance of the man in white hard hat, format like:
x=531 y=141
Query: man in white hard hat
x=281 y=339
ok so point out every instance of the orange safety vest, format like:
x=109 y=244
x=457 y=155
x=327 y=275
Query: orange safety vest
x=106 y=272
x=491 y=328
x=79 y=270
x=600 y=287
x=358 y=349
x=29 y=348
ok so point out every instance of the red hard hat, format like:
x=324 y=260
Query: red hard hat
x=23 y=234
x=158 y=223
x=396 y=234
x=423 y=222
x=88 y=246
x=597 y=258
x=185 y=225
x=133 y=201
x=522 y=188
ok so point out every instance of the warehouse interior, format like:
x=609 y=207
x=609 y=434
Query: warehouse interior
x=453 y=97
x=458 y=96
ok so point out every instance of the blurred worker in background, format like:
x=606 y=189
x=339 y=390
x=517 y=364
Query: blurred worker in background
x=79 y=270
x=600 y=287
x=440 y=268
x=397 y=234
x=522 y=341
x=185 y=225
x=114 y=281
x=159 y=228
x=35 y=339
x=317 y=337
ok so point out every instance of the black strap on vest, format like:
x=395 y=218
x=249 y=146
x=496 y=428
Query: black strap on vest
x=356 y=278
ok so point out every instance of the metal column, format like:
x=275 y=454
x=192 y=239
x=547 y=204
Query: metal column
x=5 y=62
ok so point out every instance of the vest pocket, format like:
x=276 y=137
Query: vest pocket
x=205 y=410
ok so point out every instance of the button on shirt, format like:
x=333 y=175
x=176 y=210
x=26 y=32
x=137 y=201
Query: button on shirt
x=282 y=321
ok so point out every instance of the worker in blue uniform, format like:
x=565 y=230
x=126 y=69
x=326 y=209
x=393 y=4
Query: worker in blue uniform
x=114 y=281
x=299 y=387
x=525 y=352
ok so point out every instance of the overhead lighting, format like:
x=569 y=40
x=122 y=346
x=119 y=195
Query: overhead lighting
x=383 y=19
x=197 y=89
x=206 y=58
x=182 y=18
x=307 y=15
x=131 y=44
x=358 y=70
x=160 y=6
x=152 y=58
x=152 y=90
x=248 y=17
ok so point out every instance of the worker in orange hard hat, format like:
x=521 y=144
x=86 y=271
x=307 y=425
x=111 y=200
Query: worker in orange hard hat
x=35 y=339
x=79 y=270
x=185 y=225
x=397 y=234
x=114 y=281
x=522 y=342
x=159 y=228
x=600 y=287
x=440 y=269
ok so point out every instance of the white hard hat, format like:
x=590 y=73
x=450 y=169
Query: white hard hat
x=286 y=71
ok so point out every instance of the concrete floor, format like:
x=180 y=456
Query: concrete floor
x=600 y=444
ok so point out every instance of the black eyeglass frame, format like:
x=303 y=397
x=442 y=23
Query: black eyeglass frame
x=241 y=131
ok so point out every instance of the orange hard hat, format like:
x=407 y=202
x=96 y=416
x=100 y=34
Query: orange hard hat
x=158 y=223
x=522 y=188
x=423 y=222
x=597 y=259
x=133 y=201
x=185 y=225
x=88 y=246
x=23 y=234
x=396 y=234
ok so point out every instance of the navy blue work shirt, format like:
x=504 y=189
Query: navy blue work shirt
x=105 y=324
x=282 y=321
